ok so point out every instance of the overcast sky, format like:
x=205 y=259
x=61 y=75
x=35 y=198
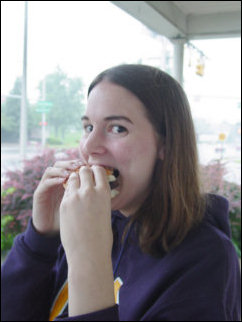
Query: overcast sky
x=85 y=37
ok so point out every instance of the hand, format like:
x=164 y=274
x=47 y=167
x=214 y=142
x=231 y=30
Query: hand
x=48 y=195
x=85 y=217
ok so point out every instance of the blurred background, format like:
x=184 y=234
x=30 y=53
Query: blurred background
x=51 y=51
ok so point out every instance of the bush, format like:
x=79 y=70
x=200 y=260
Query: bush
x=17 y=193
x=213 y=182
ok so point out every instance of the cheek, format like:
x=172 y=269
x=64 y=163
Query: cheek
x=123 y=153
x=81 y=145
x=138 y=156
x=81 y=150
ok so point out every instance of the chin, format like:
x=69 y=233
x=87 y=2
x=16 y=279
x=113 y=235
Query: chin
x=124 y=208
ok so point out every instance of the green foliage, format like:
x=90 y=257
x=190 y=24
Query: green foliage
x=10 y=113
x=66 y=95
x=72 y=139
x=54 y=141
x=9 y=227
x=4 y=193
x=7 y=237
x=7 y=122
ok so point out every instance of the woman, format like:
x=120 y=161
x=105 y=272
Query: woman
x=158 y=250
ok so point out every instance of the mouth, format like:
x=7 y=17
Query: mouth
x=113 y=176
x=113 y=179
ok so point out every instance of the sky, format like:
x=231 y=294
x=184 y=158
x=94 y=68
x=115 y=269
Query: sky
x=82 y=37
x=216 y=95
x=86 y=37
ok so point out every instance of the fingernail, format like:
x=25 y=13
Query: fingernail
x=74 y=165
x=77 y=164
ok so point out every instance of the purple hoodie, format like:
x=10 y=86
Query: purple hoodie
x=197 y=281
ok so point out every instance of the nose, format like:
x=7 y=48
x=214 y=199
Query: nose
x=93 y=145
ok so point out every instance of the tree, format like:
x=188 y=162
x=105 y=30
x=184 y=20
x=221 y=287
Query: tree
x=66 y=96
x=65 y=93
x=10 y=114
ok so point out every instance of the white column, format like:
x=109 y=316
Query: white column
x=178 y=58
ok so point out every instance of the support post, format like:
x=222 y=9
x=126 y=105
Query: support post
x=23 y=112
x=178 y=58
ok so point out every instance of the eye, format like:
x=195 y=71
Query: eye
x=116 y=129
x=88 y=128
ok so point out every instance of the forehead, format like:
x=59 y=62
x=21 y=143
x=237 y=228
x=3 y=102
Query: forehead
x=108 y=98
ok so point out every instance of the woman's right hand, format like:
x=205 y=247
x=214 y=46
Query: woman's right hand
x=48 y=195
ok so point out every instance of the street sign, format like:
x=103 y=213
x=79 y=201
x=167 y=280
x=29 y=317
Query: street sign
x=42 y=110
x=44 y=103
x=43 y=106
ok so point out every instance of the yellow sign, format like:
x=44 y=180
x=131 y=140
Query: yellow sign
x=222 y=137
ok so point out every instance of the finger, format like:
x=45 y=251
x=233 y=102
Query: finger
x=86 y=177
x=52 y=172
x=54 y=182
x=50 y=183
x=73 y=183
x=69 y=164
x=100 y=176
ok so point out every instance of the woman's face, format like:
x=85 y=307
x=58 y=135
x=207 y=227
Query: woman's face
x=117 y=133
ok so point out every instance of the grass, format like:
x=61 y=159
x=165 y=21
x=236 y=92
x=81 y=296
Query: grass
x=71 y=140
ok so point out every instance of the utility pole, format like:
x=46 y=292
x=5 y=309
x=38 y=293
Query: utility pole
x=23 y=112
x=43 y=136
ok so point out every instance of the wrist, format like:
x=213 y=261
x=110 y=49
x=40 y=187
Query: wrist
x=91 y=258
x=83 y=267
x=43 y=233
x=91 y=287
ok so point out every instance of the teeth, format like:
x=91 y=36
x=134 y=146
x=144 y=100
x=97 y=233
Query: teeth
x=111 y=178
x=114 y=193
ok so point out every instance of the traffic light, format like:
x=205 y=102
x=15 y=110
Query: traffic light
x=200 y=69
x=222 y=137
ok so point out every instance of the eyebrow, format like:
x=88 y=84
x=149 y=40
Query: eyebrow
x=111 y=118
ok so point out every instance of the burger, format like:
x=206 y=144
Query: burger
x=112 y=175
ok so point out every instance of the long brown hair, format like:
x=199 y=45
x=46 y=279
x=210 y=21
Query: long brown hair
x=175 y=203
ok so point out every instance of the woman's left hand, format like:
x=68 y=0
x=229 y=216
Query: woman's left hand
x=85 y=217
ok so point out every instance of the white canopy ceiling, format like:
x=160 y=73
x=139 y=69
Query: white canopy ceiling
x=187 y=19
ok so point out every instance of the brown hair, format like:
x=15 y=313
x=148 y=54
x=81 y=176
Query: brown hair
x=175 y=203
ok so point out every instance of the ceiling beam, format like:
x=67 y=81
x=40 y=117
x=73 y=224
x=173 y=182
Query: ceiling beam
x=218 y=25
x=160 y=20
x=165 y=18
